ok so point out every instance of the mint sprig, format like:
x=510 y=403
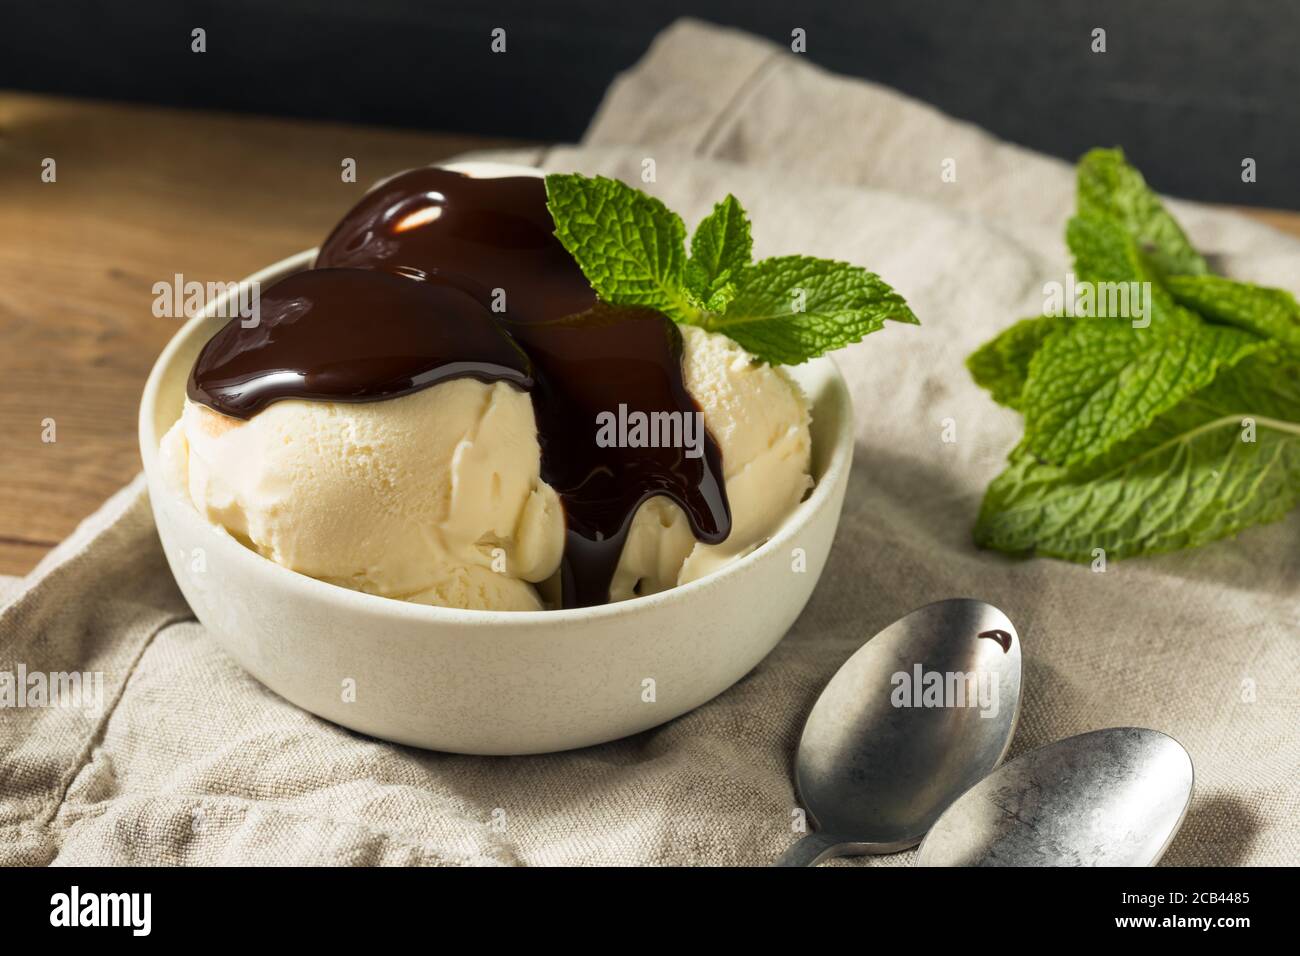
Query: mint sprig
x=784 y=310
x=1143 y=440
x=1187 y=480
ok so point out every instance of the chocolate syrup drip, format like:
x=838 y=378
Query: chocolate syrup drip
x=435 y=275
x=1001 y=637
x=601 y=488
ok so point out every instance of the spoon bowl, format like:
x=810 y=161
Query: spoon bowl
x=917 y=716
x=1107 y=798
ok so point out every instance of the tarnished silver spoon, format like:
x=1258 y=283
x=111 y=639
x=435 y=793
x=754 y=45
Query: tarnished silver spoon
x=918 y=715
x=1107 y=798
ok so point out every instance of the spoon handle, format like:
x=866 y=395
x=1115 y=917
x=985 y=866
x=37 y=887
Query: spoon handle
x=811 y=850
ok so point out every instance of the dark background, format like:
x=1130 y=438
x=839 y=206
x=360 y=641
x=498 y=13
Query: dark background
x=1187 y=88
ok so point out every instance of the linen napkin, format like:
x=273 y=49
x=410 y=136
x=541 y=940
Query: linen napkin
x=190 y=761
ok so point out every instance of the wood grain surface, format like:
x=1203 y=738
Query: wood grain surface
x=142 y=194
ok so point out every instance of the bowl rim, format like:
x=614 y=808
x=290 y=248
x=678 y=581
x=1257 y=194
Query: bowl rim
x=314 y=589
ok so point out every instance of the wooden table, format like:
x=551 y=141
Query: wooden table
x=142 y=194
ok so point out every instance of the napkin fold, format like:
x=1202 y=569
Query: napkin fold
x=185 y=759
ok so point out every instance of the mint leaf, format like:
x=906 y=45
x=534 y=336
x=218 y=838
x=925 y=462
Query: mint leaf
x=1187 y=480
x=1269 y=312
x=1001 y=364
x=789 y=309
x=1109 y=188
x=1104 y=252
x=630 y=246
x=1103 y=380
x=720 y=249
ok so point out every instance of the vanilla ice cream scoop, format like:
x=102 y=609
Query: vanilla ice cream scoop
x=432 y=497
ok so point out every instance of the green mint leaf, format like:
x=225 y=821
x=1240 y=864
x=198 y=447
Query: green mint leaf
x=1269 y=312
x=1108 y=187
x=1001 y=364
x=1187 y=480
x=1104 y=252
x=720 y=249
x=630 y=246
x=1103 y=380
x=789 y=309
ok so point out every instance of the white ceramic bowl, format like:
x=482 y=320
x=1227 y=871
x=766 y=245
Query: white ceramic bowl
x=488 y=682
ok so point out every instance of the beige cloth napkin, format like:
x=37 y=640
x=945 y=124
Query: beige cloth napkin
x=192 y=761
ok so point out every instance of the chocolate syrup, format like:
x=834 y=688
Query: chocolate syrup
x=353 y=335
x=435 y=275
x=1002 y=637
x=483 y=234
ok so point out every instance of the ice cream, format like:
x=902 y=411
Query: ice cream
x=419 y=497
x=436 y=497
x=386 y=431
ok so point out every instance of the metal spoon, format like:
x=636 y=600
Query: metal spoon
x=875 y=770
x=1108 y=798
